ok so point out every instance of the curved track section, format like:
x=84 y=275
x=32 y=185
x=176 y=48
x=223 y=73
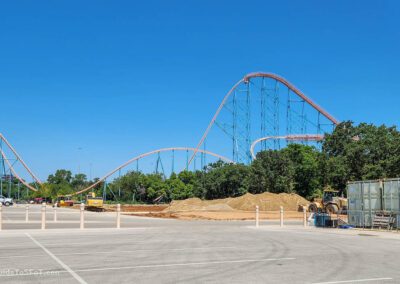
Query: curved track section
x=307 y=137
x=267 y=75
x=22 y=162
x=19 y=158
x=15 y=174
x=147 y=154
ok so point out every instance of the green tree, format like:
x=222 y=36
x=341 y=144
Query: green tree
x=78 y=181
x=177 y=189
x=225 y=180
x=58 y=184
x=304 y=161
x=195 y=182
x=361 y=152
x=131 y=184
x=272 y=171
x=61 y=176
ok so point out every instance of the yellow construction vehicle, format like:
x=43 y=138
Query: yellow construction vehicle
x=329 y=203
x=94 y=203
x=64 y=201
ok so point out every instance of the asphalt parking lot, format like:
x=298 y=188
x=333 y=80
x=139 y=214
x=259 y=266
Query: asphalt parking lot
x=147 y=250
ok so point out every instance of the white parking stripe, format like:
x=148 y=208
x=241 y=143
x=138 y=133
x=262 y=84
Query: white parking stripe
x=355 y=281
x=122 y=252
x=66 y=267
x=183 y=264
x=159 y=265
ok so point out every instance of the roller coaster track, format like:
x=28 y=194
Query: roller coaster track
x=22 y=162
x=266 y=75
x=244 y=80
x=106 y=176
x=306 y=137
x=144 y=155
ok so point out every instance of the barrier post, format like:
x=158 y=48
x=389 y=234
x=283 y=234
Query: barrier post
x=118 y=216
x=27 y=213
x=43 y=215
x=82 y=226
x=1 y=216
x=55 y=212
x=304 y=217
x=257 y=216
x=281 y=216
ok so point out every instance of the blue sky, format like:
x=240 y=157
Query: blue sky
x=121 y=78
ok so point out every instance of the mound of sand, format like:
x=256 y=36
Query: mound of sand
x=217 y=207
x=266 y=202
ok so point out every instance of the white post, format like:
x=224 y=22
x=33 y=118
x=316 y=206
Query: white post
x=304 y=217
x=27 y=213
x=1 y=216
x=55 y=212
x=43 y=215
x=281 y=216
x=257 y=216
x=82 y=216
x=118 y=216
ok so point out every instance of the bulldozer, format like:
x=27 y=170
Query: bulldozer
x=64 y=201
x=94 y=203
x=330 y=203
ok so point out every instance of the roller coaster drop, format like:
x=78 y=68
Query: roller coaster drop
x=256 y=93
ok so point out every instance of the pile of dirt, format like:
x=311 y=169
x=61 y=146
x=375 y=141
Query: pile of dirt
x=217 y=207
x=266 y=202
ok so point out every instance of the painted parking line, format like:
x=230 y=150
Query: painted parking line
x=59 y=222
x=160 y=266
x=63 y=265
x=121 y=252
x=63 y=244
x=356 y=280
x=184 y=264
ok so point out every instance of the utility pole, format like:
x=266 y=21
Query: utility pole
x=79 y=159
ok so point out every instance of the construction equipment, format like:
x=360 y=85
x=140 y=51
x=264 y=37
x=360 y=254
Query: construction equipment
x=329 y=203
x=64 y=201
x=94 y=203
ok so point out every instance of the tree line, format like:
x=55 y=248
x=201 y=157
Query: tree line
x=351 y=152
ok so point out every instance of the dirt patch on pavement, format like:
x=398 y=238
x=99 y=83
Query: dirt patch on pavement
x=223 y=215
x=228 y=215
x=145 y=208
x=136 y=207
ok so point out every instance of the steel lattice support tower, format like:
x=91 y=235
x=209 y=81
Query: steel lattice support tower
x=159 y=164
x=2 y=169
x=255 y=101
x=248 y=125
x=319 y=123
x=288 y=115
x=263 y=115
x=234 y=129
x=276 y=115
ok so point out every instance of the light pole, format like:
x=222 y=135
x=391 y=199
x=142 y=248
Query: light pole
x=79 y=159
